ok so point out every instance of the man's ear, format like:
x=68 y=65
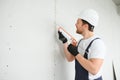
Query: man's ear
x=86 y=25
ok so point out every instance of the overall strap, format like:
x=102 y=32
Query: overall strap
x=79 y=42
x=87 y=49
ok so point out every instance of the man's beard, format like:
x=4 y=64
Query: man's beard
x=78 y=32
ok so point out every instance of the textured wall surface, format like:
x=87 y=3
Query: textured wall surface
x=29 y=48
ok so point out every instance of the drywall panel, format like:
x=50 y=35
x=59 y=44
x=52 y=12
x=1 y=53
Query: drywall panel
x=27 y=39
x=67 y=13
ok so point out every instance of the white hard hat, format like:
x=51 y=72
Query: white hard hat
x=90 y=15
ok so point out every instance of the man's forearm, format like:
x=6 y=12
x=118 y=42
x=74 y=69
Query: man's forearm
x=68 y=55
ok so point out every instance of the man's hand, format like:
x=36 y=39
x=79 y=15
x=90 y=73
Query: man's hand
x=72 y=49
x=62 y=37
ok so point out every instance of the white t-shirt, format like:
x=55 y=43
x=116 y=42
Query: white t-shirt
x=97 y=50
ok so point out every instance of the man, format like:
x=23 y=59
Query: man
x=90 y=50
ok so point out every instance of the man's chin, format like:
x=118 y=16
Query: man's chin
x=78 y=32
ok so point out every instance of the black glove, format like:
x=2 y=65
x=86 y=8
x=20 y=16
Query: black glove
x=72 y=49
x=62 y=37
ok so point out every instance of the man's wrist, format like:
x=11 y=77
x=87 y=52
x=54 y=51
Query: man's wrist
x=73 y=50
x=76 y=54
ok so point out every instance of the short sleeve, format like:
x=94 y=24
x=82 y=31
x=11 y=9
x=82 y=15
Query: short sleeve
x=97 y=49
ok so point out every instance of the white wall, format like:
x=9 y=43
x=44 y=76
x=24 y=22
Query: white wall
x=29 y=48
x=27 y=39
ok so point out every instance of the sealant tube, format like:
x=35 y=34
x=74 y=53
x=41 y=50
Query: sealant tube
x=68 y=36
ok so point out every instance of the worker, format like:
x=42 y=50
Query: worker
x=89 y=51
